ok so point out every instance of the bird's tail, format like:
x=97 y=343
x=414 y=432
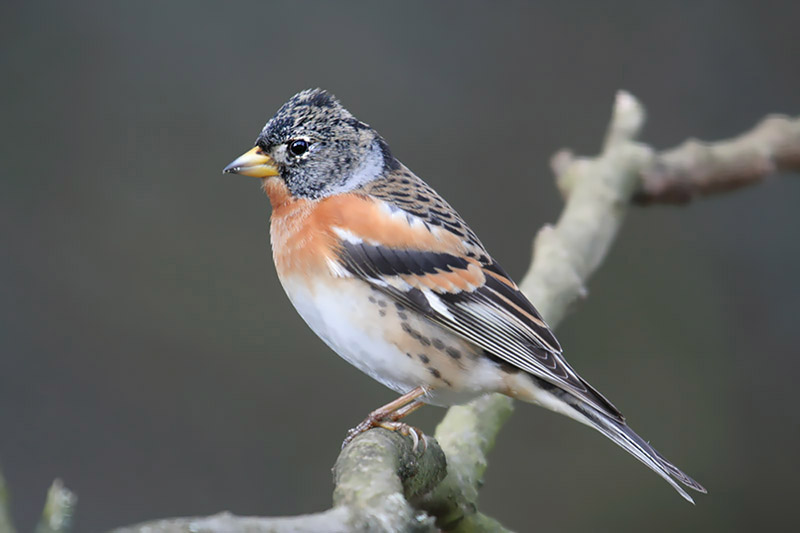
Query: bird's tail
x=625 y=437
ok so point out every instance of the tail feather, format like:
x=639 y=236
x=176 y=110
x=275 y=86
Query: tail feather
x=535 y=390
x=621 y=434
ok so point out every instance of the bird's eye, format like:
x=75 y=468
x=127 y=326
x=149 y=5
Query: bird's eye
x=298 y=147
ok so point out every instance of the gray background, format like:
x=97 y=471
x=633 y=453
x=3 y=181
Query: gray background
x=150 y=358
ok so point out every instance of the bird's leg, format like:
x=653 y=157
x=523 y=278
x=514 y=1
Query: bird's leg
x=387 y=417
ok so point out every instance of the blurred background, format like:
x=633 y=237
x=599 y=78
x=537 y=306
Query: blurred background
x=150 y=358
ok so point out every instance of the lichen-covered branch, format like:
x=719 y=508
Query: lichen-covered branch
x=467 y=434
x=378 y=478
x=334 y=520
x=378 y=486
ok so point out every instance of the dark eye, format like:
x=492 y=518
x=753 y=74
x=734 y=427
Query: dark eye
x=298 y=147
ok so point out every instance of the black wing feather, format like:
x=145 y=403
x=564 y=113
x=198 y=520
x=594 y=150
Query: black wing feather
x=491 y=316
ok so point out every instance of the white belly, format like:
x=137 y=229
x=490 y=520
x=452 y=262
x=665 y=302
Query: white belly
x=342 y=318
x=345 y=315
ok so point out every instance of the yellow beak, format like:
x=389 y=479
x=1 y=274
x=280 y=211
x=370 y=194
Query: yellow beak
x=254 y=163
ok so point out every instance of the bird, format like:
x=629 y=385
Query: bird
x=395 y=282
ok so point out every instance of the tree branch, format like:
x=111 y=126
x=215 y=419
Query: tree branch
x=467 y=434
x=377 y=476
x=697 y=169
x=565 y=255
x=331 y=521
x=379 y=473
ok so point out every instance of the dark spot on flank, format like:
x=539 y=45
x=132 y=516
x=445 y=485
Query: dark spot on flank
x=424 y=358
x=382 y=312
x=408 y=354
x=447 y=382
x=452 y=352
x=382 y=303
x=435 y=372
x=421 y=198
x=399 y=306
x=402 y=316
x=438 y=344
x=406 y=328
x=425 y=341
x=372 y=299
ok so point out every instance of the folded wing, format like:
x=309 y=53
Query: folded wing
x=455 y=283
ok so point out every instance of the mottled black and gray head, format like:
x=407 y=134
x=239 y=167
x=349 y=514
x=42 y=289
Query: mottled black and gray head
x=317 y=147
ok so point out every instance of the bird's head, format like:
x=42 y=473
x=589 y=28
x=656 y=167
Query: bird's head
x=316 y=147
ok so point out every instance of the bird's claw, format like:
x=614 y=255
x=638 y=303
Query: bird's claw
x=404 y=429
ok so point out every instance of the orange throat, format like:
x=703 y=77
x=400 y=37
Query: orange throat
x=277 y=191
x=299 y=247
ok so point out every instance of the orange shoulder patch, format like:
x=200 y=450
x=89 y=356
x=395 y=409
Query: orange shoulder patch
x=367 y=219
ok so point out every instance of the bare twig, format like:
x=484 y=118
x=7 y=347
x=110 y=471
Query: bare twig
x=6 y=524
x=697 y=169
x=59 y=508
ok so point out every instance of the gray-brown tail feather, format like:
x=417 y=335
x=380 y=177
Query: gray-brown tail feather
x=625 y=437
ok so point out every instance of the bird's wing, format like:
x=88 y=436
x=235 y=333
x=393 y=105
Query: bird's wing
x=448 y=277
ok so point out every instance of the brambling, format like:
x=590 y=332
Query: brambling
x=395 y=282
